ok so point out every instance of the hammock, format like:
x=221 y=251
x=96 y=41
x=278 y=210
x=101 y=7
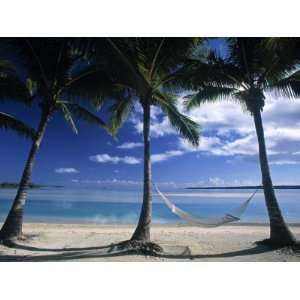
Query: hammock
x=206 y=221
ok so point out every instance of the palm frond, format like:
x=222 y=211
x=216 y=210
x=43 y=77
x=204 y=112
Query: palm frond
x=288 y=86
x=90 y=85
x=131 y=64
x=183 y=124
x=6 y=67
x=10 y=122
x=82 y=113
x=208 y=94
x=120 y=112
x=195 y=73
x=153 y=64
x=11 y=86
x=68 y=116
x=14 y=89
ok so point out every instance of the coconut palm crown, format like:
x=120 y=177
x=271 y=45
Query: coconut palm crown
x=58 y=77
x=250 y=70
x=142 y=69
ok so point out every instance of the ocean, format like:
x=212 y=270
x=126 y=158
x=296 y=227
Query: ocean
x=108 y=206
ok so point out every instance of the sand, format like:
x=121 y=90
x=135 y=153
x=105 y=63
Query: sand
x=78 y=242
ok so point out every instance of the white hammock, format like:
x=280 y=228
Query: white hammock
x=206 y=221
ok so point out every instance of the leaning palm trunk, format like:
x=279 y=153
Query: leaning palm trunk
x=279 y=231
x=142 y=231
x=12 y=227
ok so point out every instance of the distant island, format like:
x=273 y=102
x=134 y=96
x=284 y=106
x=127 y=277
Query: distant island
x=248 y=187
x=14 y=185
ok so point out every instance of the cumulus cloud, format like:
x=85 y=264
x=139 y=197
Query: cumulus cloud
x=159 y=123
x=207 y=143
x=106 y=158
x=227 y=130
x=129 y=145
x=166 y=155
x=131 y=160
x=66 y=170
x=236 y=132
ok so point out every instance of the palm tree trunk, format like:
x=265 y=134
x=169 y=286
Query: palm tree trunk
x=12 y=227
x=279 y=231
x=142 y=232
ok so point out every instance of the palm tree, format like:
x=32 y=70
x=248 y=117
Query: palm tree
x=250 y=70
x=142 y=68
x=12 y=89
x=59 y=79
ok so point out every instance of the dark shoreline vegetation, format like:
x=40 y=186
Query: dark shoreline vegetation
x=248 y=187
x=14 y=185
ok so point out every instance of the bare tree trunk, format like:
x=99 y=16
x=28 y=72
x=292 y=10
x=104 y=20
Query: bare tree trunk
x=142 y=232
x=279 y=231
x=12 y=227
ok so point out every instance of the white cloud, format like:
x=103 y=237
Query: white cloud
x=284 y=162
x=159 y=123
x=106 y=158
x=106 y=182
x=207 y=143
x=165 y=156
x=66 y=170
x=129 y=145
x=131 y=160
x=157 y=128
x=227 y=130
x=216 y=181
x=116 y=181
x=236 y=131
x=211 y=181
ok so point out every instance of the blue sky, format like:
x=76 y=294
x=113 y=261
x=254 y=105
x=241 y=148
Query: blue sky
x=227 y=154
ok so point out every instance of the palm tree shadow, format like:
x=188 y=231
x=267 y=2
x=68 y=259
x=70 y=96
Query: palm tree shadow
x=86 y=253
x=257 y=249
x=70 y=249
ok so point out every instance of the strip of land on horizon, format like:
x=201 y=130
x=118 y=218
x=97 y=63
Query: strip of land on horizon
x=246 y=187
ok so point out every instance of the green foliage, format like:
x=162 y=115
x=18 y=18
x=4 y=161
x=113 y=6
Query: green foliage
x=120 y=111
x=60 y=77
x=146 y=67
x=209 y=94
x=184 y=125
x=82 y=113
x=254 y=66
x=13 y=89
x=9 y=122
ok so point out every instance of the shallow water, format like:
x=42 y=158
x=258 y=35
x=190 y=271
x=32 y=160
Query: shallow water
x=64 y=205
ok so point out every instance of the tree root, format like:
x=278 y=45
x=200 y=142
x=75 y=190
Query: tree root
x=294 y=246
x=138 y=247
x=11 y=242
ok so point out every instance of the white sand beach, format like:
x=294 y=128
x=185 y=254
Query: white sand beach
x=78 y=242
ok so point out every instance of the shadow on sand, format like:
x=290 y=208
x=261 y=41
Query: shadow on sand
x=68 y=254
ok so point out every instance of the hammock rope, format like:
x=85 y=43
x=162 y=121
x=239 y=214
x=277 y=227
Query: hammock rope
x=234 y=216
